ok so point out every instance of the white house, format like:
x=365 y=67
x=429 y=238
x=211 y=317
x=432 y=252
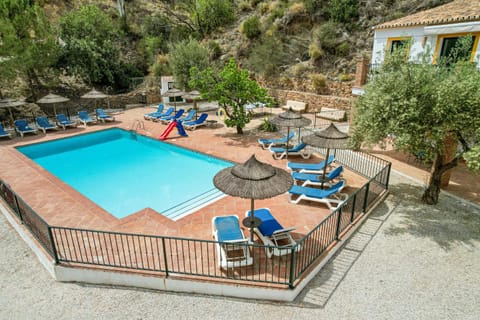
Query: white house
x=435 y=31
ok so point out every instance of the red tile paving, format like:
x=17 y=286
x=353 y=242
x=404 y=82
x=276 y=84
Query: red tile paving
x=60 y=205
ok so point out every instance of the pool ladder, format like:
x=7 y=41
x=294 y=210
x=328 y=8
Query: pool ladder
x=137 y=125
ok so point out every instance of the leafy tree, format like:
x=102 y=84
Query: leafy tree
x=27 y=42
x=90 y=48
x=425 y=107
x=232 y=88
x=185 y=55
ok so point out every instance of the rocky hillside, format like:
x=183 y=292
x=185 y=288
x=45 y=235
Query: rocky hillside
x=302 y=45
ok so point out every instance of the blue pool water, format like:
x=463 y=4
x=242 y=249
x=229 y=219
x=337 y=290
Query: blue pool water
x=124 y=172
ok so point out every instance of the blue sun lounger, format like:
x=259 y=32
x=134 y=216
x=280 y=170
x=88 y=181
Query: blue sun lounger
x=4 y=133
x=189 y=116
x=192 y=125
x=148 y=116
x=162 y=115
x=328 y=196
x=44 y=124
x=171 y=118
x=298 y=150
x=315 y=179
x=103 y=116
x=310 y=167
x=22 y=127
x=278 y=239
x=232 y=249
x=63 y=121
x=85 y=118
x=267 y=143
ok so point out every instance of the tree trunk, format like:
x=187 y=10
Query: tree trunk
x=439 y=167
x=430 y=195
x=239 y=130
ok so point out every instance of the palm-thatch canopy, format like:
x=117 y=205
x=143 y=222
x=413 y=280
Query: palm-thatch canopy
x=291 y=119
x=94 y=94
x=52 y=98
x=330 y=137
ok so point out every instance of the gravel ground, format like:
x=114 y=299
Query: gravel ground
x=408 y=261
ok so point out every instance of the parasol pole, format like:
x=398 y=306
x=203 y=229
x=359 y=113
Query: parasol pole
x=11 y=115
x=325 y=168
x=252 y=217
x=288 y=139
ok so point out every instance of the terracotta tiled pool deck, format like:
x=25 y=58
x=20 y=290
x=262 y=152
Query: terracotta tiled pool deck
x=60 y=205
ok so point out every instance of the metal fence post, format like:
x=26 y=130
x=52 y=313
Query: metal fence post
x=339 y=221
x=292 y=267
x=52 y=243
x=353 y=207
x=388 y=175
x=165 y=256
x=18 y=207
x=365 y=200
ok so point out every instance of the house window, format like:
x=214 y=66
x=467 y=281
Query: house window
x=402 y=43
x=450 y=48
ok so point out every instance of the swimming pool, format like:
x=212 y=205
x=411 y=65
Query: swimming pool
x=123 y=172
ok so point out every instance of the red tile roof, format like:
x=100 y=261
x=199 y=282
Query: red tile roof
x=454 y=12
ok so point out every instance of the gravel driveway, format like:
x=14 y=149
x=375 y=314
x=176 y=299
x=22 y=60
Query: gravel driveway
x=408 y=261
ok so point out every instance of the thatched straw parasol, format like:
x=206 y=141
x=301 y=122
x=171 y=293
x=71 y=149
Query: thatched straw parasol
x=53 y=99
x=174 y=92
x=9 y=103
x=253 y=180
x=94 y=94
x=290 y=119
x=330 y=138
x=193 y=95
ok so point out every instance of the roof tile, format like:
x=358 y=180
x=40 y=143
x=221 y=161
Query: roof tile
x=453 y=12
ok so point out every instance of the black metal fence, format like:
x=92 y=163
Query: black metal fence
x=200 y=258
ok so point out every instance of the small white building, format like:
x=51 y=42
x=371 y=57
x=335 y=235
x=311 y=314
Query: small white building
x=166 y=84
x=435 y=31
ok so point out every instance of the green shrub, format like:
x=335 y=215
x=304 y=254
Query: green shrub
x=326 y=36
x=296 y=8
x=299 y=69
x=161 y=66
x=343 y=11
x=315 y=52
x=251 y=27
x=244 y=5
x=268 y=126
x=312 y=6
x=263 y=8
x=319 y=82
x=345 y=77
x=156 y=25
x=267 y=56
x=214 y=50
x=211 y=14
x=342 y=49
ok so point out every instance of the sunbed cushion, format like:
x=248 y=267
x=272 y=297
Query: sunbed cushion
x=269 y=223
x=317 y=193
x=228 y=229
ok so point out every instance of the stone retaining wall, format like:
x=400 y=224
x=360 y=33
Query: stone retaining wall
x=314 y=101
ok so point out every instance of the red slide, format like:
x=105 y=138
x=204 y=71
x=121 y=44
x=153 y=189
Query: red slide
x=167 y=131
